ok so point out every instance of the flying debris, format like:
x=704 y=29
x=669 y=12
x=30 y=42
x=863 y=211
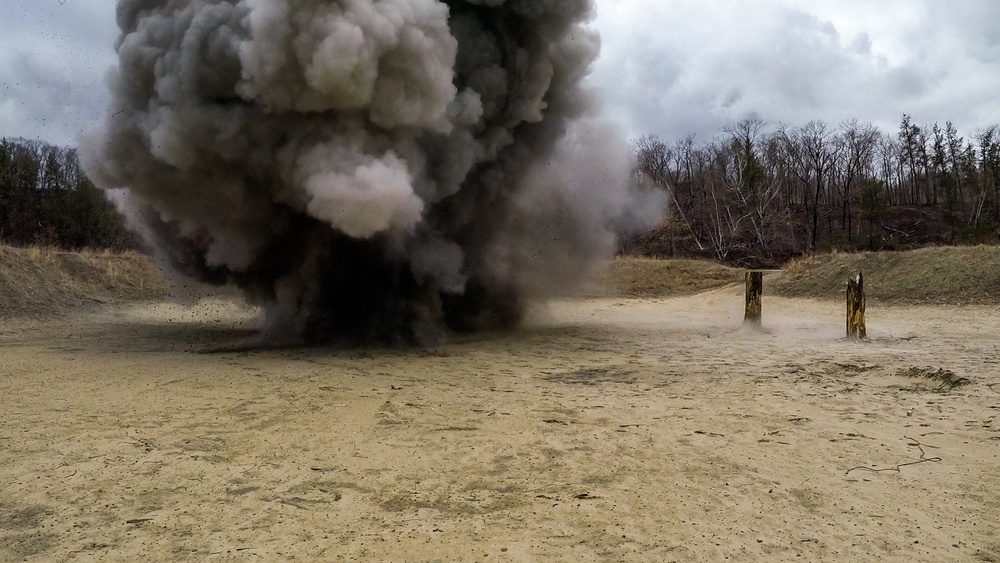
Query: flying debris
x=365 y=169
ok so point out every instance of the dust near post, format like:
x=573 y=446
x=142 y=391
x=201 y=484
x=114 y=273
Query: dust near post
x=366 y=170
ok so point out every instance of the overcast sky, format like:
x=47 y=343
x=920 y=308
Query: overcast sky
x=668 y=67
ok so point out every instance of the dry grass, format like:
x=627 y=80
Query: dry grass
x=39 y=281
x=647 y=277
x=939 y=275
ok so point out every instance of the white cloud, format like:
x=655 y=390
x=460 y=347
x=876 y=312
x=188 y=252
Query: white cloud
x=671 y=67
x=53 y=57
x=678 y=67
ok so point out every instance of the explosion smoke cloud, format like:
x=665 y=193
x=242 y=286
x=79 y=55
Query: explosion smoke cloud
x=364 y=168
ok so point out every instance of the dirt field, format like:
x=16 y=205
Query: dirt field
x=608 y=430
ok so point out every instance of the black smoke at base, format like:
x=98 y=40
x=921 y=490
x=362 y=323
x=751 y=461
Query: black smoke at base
x=365 y=169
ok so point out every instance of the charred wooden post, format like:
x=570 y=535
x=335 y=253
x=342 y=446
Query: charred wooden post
x=856 y=307
x=755 y=288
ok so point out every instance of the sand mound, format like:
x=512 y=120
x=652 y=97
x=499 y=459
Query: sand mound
x=649 y=278
x=38 y=281
x=940 y=275
x=41 y=281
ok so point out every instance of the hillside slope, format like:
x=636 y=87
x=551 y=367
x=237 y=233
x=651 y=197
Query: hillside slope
x=37 y=282
x=650 y=278
x=968 y=275
x=936 y=275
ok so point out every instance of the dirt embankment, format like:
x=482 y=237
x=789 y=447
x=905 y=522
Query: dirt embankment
x=651 y=278
x=38 y=282
x=940 y=275
x=968 y=275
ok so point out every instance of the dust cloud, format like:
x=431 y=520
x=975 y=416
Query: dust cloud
x=366 y=169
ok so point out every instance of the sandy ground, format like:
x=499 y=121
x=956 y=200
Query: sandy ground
x=609 y=430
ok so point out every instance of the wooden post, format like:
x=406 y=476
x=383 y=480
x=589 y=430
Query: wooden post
x=856 y=307
x=755 y=287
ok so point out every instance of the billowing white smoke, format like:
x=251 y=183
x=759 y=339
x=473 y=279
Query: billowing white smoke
x=365 y=168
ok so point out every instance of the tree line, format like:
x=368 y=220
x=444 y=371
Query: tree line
x=749 y=196
x=756 y=197
x=46 y=199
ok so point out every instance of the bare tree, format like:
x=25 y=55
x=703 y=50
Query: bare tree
x=858 y=142
x=726 y=212
x=748 y=180
x=750 y=193
x=989 y=154
x=653 y=158
x=812 y=154
x=909 y=135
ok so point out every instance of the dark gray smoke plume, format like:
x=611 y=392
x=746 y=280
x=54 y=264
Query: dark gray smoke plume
x=364 y=168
